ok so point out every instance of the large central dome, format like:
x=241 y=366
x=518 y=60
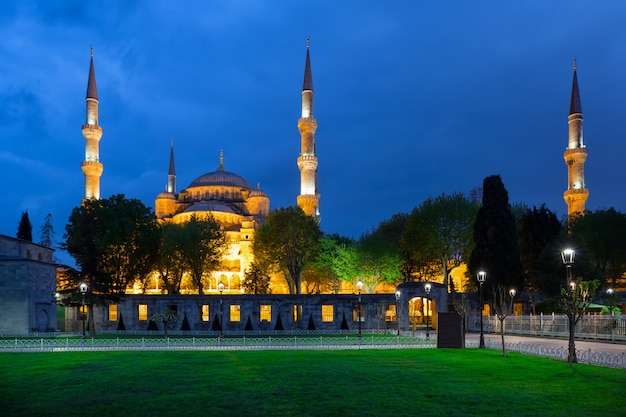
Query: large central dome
x=221 y=177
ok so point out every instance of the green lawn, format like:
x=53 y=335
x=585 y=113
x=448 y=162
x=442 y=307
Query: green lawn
x=420 y=382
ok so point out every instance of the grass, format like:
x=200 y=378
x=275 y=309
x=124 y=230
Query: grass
x=424 y=382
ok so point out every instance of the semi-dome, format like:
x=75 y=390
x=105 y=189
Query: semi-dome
x=221 y=177
x=209 y=206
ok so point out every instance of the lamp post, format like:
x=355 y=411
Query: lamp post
x=398 y=310
x=482 y=277
x=359 y=287
x=83 y=290
x=427 y=288
x=220 y=288
x=568 y=260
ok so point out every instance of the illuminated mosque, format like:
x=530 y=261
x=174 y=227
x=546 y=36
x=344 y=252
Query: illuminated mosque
x=239 y=207
x=229 y=198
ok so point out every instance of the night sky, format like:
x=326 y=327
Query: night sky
x=412 y=98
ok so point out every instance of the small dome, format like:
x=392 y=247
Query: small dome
x=166 y=196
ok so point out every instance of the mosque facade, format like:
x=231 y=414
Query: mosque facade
x=237 y=206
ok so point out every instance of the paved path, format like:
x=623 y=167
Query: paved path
x=595 y=346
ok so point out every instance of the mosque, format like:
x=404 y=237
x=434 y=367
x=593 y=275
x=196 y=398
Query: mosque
x=229 y=198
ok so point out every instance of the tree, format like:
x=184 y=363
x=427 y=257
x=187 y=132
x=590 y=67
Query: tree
x=575 y=300
x=601 y=234
x=378 y=259
x=538 y=230
x=322 y=269
x=170 y=264
x=496 y=249
x=288 y=240
x=439 y=232
x=502 y=307
x=47 y=232
x=256 y=281
x=166 y=317
x=201 y=247
x=25 y=229
x=113 y=242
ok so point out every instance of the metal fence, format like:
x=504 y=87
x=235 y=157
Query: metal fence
x=591 y=327
x=215 y=343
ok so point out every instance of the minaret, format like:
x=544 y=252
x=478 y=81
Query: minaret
x=575 y=156
x=309 y=197
x=171 y=173
x=92 y=168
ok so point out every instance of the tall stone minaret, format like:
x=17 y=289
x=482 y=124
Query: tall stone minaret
x=171 y=173
x=575 y=156
x=309 y=197
x=92 y=168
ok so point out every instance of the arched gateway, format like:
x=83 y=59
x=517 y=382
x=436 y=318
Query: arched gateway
x=416 y=304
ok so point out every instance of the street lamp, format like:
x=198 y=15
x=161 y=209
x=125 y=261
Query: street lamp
x=568 y=259
x=359 y=287
x=220 y=288
x=83 y=290
x=427 y=289
x=398 y=310
x=482 y=277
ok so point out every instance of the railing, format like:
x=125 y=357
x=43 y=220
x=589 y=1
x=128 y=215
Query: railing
x=593 y=327
x=215 y=343
x=612 y=360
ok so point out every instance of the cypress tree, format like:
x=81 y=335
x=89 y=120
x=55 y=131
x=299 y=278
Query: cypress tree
x=496 y=249
x=25 y=229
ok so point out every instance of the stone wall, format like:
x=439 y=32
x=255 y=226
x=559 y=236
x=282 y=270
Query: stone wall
x=27 y=285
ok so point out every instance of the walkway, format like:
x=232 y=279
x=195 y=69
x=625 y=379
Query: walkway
x=595 y=346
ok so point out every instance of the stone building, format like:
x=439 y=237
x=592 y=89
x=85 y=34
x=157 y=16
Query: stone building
x=27 y=287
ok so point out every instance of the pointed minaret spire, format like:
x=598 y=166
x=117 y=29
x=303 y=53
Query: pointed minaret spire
x=171 y=173
x=221 y=167
x=308 y=200
x=575 y=105
x=575 y=155
x=91 y=166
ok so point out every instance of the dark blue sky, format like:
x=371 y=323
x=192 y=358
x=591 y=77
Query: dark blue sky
x=412 y=99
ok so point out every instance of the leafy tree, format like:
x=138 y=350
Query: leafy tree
x=166 y=317
x=170 y=264
x=288 y=240
x=324 y=264
x=379 y=260
x=575 y=300
x=201 y=247
x=25 y=229
x=439 y=232
x=601 y=234
x=113 y=242
x=47 y=232
x=256 y=281
x=539 y=229
x=496 y=249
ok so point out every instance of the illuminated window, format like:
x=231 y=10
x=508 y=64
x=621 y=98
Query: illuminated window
x=355 y=313
x=204 y=312
x=486 y=310
x=327 y=313
x=235 y=313
x=142 y=310
x=82 y=312
x=265 y=313
x=518 y=309
x=390 y=312
x=297 y=312
x=113 y=312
